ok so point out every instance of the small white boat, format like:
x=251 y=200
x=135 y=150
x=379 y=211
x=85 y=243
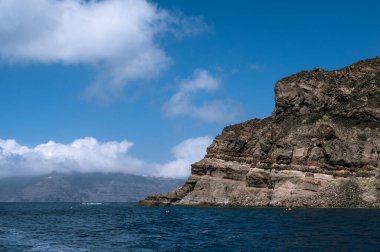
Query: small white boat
x=92 y=203
x=89 y=203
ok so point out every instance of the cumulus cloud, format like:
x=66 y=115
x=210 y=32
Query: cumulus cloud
x=183 y=102
x=90 y=155
x=185 y=153
x=119 y=38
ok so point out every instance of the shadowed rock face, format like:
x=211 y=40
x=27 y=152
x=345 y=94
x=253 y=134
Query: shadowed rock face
x=320 y=148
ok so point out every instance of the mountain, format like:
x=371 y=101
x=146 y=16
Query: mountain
x=320 y=148
x=88 y=187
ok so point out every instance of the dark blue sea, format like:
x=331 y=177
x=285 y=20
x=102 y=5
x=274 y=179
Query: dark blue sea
x=128 y=227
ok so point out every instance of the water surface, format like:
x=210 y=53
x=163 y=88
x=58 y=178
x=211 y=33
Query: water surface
x=127 y=227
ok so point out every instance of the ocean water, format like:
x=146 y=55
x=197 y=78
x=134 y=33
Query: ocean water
x=128 y=227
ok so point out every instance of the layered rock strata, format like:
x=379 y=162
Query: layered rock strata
x=320 y=148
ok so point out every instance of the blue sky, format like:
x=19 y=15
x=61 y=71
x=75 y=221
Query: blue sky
x=205 y=65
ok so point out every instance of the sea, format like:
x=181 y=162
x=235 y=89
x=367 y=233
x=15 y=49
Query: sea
x=129 y=227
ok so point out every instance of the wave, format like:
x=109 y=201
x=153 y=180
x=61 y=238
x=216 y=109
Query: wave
x=12 y=239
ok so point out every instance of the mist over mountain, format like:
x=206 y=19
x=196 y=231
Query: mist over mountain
x=86 y=187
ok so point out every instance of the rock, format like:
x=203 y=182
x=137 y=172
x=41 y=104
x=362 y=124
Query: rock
x=320 y=148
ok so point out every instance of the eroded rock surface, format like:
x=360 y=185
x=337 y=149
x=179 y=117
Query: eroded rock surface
x=320 y=148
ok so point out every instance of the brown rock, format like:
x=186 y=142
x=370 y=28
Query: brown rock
x=320 y=147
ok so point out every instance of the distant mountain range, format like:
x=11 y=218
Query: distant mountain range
x=85 y=187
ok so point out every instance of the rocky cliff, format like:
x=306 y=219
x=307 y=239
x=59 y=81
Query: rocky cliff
x=320 y=148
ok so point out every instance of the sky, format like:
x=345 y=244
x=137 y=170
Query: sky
x=143 y=87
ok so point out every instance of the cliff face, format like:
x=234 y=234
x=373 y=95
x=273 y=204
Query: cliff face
x=320 y=148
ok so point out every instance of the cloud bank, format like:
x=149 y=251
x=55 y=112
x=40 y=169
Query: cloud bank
x=184 y=101
x=90 y=155
x=119 y=38
x=185 y=153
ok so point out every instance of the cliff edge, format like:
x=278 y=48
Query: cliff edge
x=320 y=148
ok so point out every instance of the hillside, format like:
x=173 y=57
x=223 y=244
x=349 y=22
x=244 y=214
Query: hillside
x=88 y=187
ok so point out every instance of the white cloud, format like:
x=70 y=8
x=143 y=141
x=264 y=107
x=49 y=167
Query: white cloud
x=90 y=155
x=185 y=153
x=116 y=37
x=183 y=102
